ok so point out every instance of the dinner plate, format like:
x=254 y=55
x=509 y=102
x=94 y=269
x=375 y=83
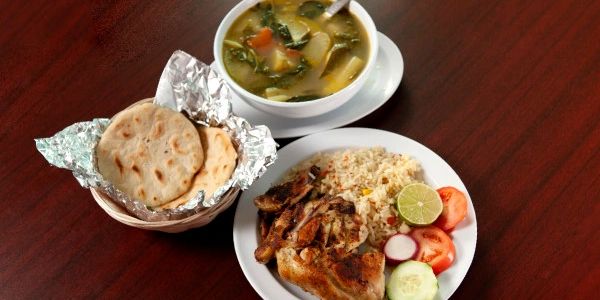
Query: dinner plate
x=436 y=173
x=379 y=88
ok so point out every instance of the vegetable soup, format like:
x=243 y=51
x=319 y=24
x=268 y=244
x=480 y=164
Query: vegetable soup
x=285 y=50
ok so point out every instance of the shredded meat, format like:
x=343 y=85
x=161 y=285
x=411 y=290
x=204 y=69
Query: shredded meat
x=288 y=193
x=315 y=242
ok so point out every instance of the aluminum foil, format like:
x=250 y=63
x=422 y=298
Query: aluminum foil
x=186 y=85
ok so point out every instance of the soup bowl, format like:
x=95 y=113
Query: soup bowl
x=297 y=109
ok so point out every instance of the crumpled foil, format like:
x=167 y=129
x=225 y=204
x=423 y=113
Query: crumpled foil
x=186 y=85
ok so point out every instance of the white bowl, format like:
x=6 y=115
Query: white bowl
x=297 y=109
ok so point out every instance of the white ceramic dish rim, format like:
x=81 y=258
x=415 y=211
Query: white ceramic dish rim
x=436 y=173
x=350 y=111
x=244 y=5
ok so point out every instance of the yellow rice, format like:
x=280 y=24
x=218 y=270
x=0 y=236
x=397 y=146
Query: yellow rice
x=370 y=178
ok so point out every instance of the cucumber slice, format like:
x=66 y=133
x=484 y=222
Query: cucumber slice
x=412 y=280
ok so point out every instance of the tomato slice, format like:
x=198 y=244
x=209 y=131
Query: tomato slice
x=455 y=208
x=435 y=248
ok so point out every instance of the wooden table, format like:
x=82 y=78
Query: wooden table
x=508 y=92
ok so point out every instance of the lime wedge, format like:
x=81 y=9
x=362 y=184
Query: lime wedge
x=419 y=204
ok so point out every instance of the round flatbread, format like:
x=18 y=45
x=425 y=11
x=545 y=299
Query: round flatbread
x=219 y=163
x=151 y=153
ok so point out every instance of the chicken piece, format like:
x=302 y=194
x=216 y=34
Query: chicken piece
x=331 y=221
x=315 y=220
x=265 y=221
x=342 y=206
x=316 y=243
x=354 y=234
x=305 y=212
x=309 y=254
x=275 y=238
x=355 y=276
x=324 y=232
x=288 y=193
x=344 y=229
x=359 y=274
x=307 y=233
x=285 y=229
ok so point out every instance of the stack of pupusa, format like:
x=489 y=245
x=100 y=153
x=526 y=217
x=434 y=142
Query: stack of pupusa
x=157 y=156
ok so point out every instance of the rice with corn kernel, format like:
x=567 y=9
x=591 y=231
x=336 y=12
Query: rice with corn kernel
x=370 y=178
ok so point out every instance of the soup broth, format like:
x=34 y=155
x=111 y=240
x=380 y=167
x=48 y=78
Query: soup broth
x=283 y=50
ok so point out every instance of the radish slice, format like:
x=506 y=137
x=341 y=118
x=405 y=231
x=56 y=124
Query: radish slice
x=398 y=248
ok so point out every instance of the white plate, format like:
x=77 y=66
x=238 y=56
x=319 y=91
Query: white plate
x=437 y=173
x=380 y=86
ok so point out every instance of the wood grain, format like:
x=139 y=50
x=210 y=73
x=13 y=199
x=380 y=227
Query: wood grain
x=508 y=92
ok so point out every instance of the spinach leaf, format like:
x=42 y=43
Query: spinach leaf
x=301 y=68
x=297 y=45
x=247 y=56
x=346 y=39
x=286 y=79
x=280 y=30
x=311 y=9
x=283 y=32
x=268 y=20
x=267 y=15
x=351 y=37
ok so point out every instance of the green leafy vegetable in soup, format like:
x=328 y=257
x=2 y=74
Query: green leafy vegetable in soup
x=284 y=51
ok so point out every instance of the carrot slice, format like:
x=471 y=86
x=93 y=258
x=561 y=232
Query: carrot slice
x=293 y=53
x=263 y=38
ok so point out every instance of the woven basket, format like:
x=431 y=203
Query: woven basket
x=198 y=220
x=202 y=218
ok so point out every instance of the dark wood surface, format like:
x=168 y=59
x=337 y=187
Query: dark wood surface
x=508 y=92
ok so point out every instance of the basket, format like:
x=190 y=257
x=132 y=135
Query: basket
x=199 y=219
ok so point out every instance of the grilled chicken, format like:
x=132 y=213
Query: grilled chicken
x=316 y=245
x=315 y=242
x=274 y=239
x=288 y=193
x=354 y=276
x=344 y=226
x=330 y=223
x=264 y=224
